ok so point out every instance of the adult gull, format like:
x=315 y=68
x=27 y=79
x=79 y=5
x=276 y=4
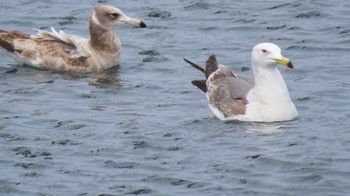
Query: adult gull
x=232 y=97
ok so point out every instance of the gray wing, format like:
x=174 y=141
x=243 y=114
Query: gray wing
x=239 y=87
x=227 y=91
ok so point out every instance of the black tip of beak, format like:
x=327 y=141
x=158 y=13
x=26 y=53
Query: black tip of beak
x=142 y=25
x=290 y=65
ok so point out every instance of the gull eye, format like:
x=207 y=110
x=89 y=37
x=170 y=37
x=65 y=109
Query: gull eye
x=264 y=51
x=114 y=15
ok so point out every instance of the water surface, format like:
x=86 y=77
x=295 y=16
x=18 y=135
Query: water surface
x=142 y=128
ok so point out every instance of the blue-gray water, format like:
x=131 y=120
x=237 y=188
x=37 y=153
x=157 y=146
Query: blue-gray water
x=144 y=129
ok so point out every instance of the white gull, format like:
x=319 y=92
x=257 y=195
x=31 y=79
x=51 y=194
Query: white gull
x=264 y=99
x=61 y=51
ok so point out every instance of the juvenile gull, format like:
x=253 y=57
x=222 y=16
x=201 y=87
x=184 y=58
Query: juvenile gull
x=61 y=51
x=232 y=97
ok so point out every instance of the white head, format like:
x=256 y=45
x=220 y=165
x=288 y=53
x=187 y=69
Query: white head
x=108 y=17
x=269 y=55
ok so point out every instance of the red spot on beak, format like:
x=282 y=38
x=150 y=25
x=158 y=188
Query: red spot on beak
x=290 y=65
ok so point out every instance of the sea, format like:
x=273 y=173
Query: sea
x=142 y=128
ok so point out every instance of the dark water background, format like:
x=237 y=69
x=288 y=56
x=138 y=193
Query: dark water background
x=144 y=129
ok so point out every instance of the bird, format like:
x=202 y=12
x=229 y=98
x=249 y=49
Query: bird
x=66 y=52
x=235 y=98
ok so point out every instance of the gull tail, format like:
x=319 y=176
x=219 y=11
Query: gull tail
x=201 y=84
x=211 y=65
x=7 y=39
x=195 y=65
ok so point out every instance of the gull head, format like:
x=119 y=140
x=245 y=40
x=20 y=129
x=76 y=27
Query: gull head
x=108 y=17
x=268 y=55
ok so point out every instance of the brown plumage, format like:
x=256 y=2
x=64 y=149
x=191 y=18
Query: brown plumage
x=225 y=90
x=7 y=38
x=61 y=51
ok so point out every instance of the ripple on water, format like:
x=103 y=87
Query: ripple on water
x=143 y=129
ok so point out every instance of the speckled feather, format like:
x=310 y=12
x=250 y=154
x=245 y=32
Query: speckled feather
x=61 y=51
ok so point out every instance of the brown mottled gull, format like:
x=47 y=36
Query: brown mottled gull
x=61 y=51
x=264 y=99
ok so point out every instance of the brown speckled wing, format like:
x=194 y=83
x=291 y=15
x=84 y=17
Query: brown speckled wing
x=7 y=38
x=226 y=90
x=220 y=97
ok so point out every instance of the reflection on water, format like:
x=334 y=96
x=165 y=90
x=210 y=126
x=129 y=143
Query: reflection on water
x=108 y=79
x=268 y=128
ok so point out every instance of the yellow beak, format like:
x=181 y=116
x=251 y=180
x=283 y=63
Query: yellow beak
x=285 y=61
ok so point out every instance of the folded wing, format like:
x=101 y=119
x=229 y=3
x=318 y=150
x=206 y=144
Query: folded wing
x=225 y=90
x=77 y=46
